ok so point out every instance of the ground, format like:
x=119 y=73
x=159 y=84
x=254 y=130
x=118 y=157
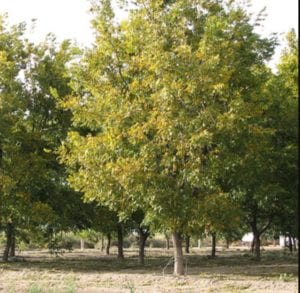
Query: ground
x=233 y=270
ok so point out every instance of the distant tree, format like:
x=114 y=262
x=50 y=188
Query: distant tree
x=259 y=149
x=13 y=57
x=221 y=215
x=283 y=117
x=137 y=223
x=33 y=187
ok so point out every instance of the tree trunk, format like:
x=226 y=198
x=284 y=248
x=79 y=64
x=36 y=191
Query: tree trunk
x=199 y=243
x=252 y=245
x=187 y=244
x=285 y=242
x=108 y=243
x=120 y=241
x=213 y=244
x=256 y=243
x=12 y=251
x=167 y=242
x=9 y=236
x=142 y=241
x=81 y=244
x=227 y=243
x=102 y=243
x=290 y=243
x=257 y=247
x=256 y=235
x=295 y=244
x=178 y=255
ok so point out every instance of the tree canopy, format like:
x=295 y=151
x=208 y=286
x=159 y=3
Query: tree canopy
x=171 y=121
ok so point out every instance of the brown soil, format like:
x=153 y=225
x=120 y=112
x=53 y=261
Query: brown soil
x=91 y=271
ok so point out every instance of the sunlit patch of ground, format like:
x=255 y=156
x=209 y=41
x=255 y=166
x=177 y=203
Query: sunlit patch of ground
x=232 y=270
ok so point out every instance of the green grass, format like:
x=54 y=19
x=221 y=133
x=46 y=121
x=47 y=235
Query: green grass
x=64 y=288
x=287 y=277
x=234 y=288
x=35 y=289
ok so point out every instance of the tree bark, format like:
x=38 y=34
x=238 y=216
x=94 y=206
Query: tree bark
x=213 y=244
x=12 y=251
x=9 y=236
x=257 y=246
x=102 y=243
x=120 y=241
x=143 y=235
x=252 y=245
x=178 y=254
x=187 y=244
x=167 y=242
x=295 y=244
x=199 y=243
x=108 y=243
x=227 y=243
x=290 y=243
x=81 y=244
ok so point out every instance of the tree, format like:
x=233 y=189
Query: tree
x=283 y=88
x=13 y=55
x=259 y=152
x=143 y=230
x=32 y=181
x=247 y=152
x=220 y=215
x=155 y=86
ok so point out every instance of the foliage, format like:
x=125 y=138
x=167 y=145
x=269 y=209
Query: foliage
x=173 y=101
x=58 y=246
x=258 y=154
x=152 y=97
x=171 y=121
x=33 y=192
x=284 y=117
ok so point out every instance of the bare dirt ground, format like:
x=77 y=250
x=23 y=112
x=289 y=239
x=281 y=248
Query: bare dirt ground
x=91 y=271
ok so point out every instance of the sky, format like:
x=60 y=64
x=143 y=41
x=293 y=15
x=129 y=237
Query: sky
x=69 y=19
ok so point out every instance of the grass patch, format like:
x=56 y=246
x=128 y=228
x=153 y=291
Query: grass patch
x=64 y=288
x=287 y=277
x=43 y=273
x=235 y=288
x=34 y=288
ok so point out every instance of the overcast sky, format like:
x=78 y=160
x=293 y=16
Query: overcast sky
x=70 y=18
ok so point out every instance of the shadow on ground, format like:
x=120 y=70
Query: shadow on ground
x=272 y=264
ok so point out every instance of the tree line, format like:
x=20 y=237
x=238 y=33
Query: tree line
x=172 y=121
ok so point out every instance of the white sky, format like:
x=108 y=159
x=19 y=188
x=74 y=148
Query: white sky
x=69 y=19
